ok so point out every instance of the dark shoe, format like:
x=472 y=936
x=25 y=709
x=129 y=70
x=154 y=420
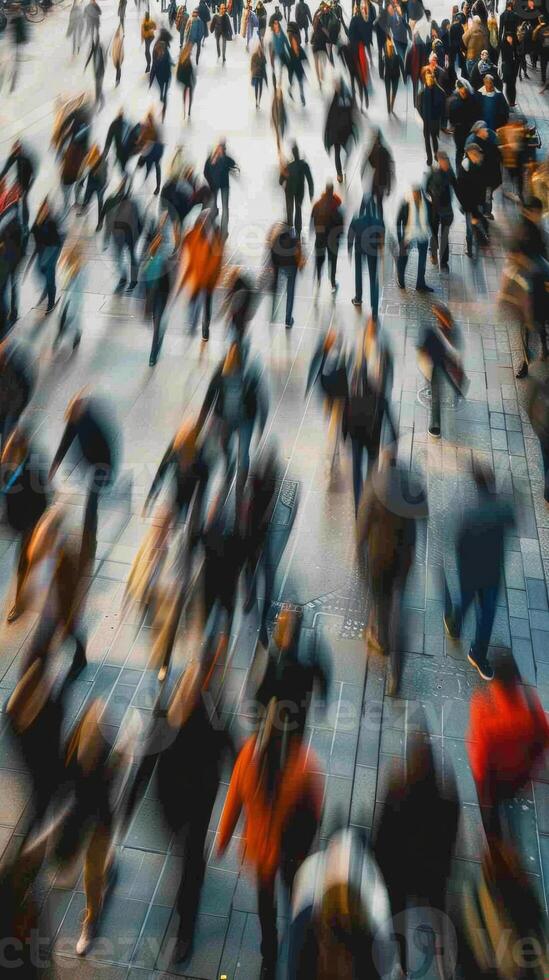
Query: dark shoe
x=152 y=360
x=469 y=253
x=445 y=267
x=76 y=341
x=182 y=949
x=490 y=216
x=264 y=637
x=356 y=302
x=424 y=288
x=482 y=665
x=132 y=285
x=434 y=260
x=120 y=284
x=79 y=663
x=450 y=628
x=50 y=308
x=289 y=323
x=522 y=371
x=268 y=971
x=205 y=333
x=400 y=284
x=156 y=191
x=434 y=431
x=13 y=614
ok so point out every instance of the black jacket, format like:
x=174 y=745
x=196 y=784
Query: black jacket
x=367 y=230
x=439 y=187
x=293 y=179
x=462 y=113
x=94 y=436
x=25 y=490
x=24 y=169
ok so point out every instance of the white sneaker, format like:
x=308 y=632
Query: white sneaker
x=162 y=674
x=86 y=937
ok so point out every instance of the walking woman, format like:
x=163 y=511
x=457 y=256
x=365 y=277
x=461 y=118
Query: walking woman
x=151 y=148
x=341 y=128
x=186 y=77
x=392 y=71
x=118 y=52
x=71 y=264
x=258 y=71
x=156 y=276
x=148 y=28
x=277 y=784
x=48 y=240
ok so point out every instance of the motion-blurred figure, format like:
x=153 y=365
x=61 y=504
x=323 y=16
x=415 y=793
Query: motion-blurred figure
x=480 y=537
x=367 y=236
x=276 y=782
x=17 y=382
x=260 y=498
x=25 y=170
x=89 y=424
x=48 y=241
x=386 y=537
x=25 y=490
x=415 y=840
x=285 y=259
x=71 y=265
x=201 y=261
x=123 y=228
x=440 y=361
x=507 y=739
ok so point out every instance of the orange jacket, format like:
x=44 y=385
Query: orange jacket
x=201 y=259
x=508 y=732
x=266 y=820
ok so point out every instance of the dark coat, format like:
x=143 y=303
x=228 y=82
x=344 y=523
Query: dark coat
x=431 y=105
x=471 y=185
x=462 y=113
x=491 y=166
x=340 y=126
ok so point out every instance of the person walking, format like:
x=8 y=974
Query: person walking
x=509 y=68
x=537 y=406
x=122 y=4
x=237 y=7
x=471 y=187
x=71 y=265
x=258 y=72
x=439 y=187
x=91 y=428
x=201 y=261
x=97 y=58
x=365 y=410
x=487 y=141
x=431 y=106
x=463 y=112
x=475 y=40
x=161 y=71
x=493 y=105
x=392 y=71
x=26 y=494
x=285 y=259
x=217 y=170
x=48 y=240
x=76 y=26
x=293 y=177
x=413 y=226
x=92 y=20
x=327 y=221
x=439 y=360
x=367 y=236
x=280 y=792
x=296 y=67
x=117 y=52
x=416 y=59
x=25 y=170
x=148 y=30
x=220 y=27
x=195 y=32
x=479 y=551
x=151 y=148
x=303 y=18
x=185 y=75
x=341 y=127
x=382 y=167
x=157 y=281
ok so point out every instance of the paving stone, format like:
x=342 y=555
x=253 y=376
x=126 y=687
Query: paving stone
x=518 y=605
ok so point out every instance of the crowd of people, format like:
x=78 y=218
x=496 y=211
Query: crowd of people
x=210 y=551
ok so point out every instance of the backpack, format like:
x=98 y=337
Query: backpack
x=364 y=409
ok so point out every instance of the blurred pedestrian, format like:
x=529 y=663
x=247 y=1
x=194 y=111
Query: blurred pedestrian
x=148 y=30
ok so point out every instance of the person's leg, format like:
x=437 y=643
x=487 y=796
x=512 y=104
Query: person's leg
x=51 y=286
x=332 y=264
x=291 y=276
x=434 y=140
x=319 y=262
x=194 y=867
x=358 y=274
x=444 y=243
x=224 y=211
x=100 y=195
x=394 y=90
x=207 y=314
x=133 y=264
x=421 y=263
x=298 y=218
x=433 y=243
x=245 y=433
x=337 y=155
x=374 y=284
x=388 y=95
x=486 y=611
x=266 y=907
x=95 y=871
x=468 y=233
x=158 y=175
x=290 y=200
x=358 y=452
x=426 y=140
x=148 y=54
x=434 y=424
x=25 y=211
x=402 y=262
x=218 y=46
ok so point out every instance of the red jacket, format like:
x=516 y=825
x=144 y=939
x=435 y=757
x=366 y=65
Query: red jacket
x=266 y=820
x=508 y=733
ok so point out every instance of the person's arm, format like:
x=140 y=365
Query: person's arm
x=8 y=164
x=67 y=439
x=159 y=477
x=90 y=56
x=309 y=179
x=233 y=805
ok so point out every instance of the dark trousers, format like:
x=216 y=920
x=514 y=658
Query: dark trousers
x=485 y=610
x=402 y=261
x=290 y=274
x=293 y=212
x=430 y=136
x=321 y=252
x=436 y=380
x=511 y=90
x=192 y=837
x=258 y=89
x=221 y=43
x=337 y=155
x=237 y=20
x=204 y=297
x=148 y=42
x=120 y=249
x=374 y=281
x=358 y=450
x=158 y=309
x=544 y=58
x=391 y=89
x=440 y=248
x=92 y=189
x=47 y=263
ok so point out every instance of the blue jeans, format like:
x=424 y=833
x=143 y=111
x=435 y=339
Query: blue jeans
x=485 y=610
x=290 y=273
x=358 y=449
x=402 y=261
x=244 y=434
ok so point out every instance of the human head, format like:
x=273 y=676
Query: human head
x=443 y=160
x=488 y=83
x=484 y=56
x=295 y=151
x=474 y=153
x=480 y=129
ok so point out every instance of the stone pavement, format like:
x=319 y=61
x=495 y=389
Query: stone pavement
x=362 y=736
